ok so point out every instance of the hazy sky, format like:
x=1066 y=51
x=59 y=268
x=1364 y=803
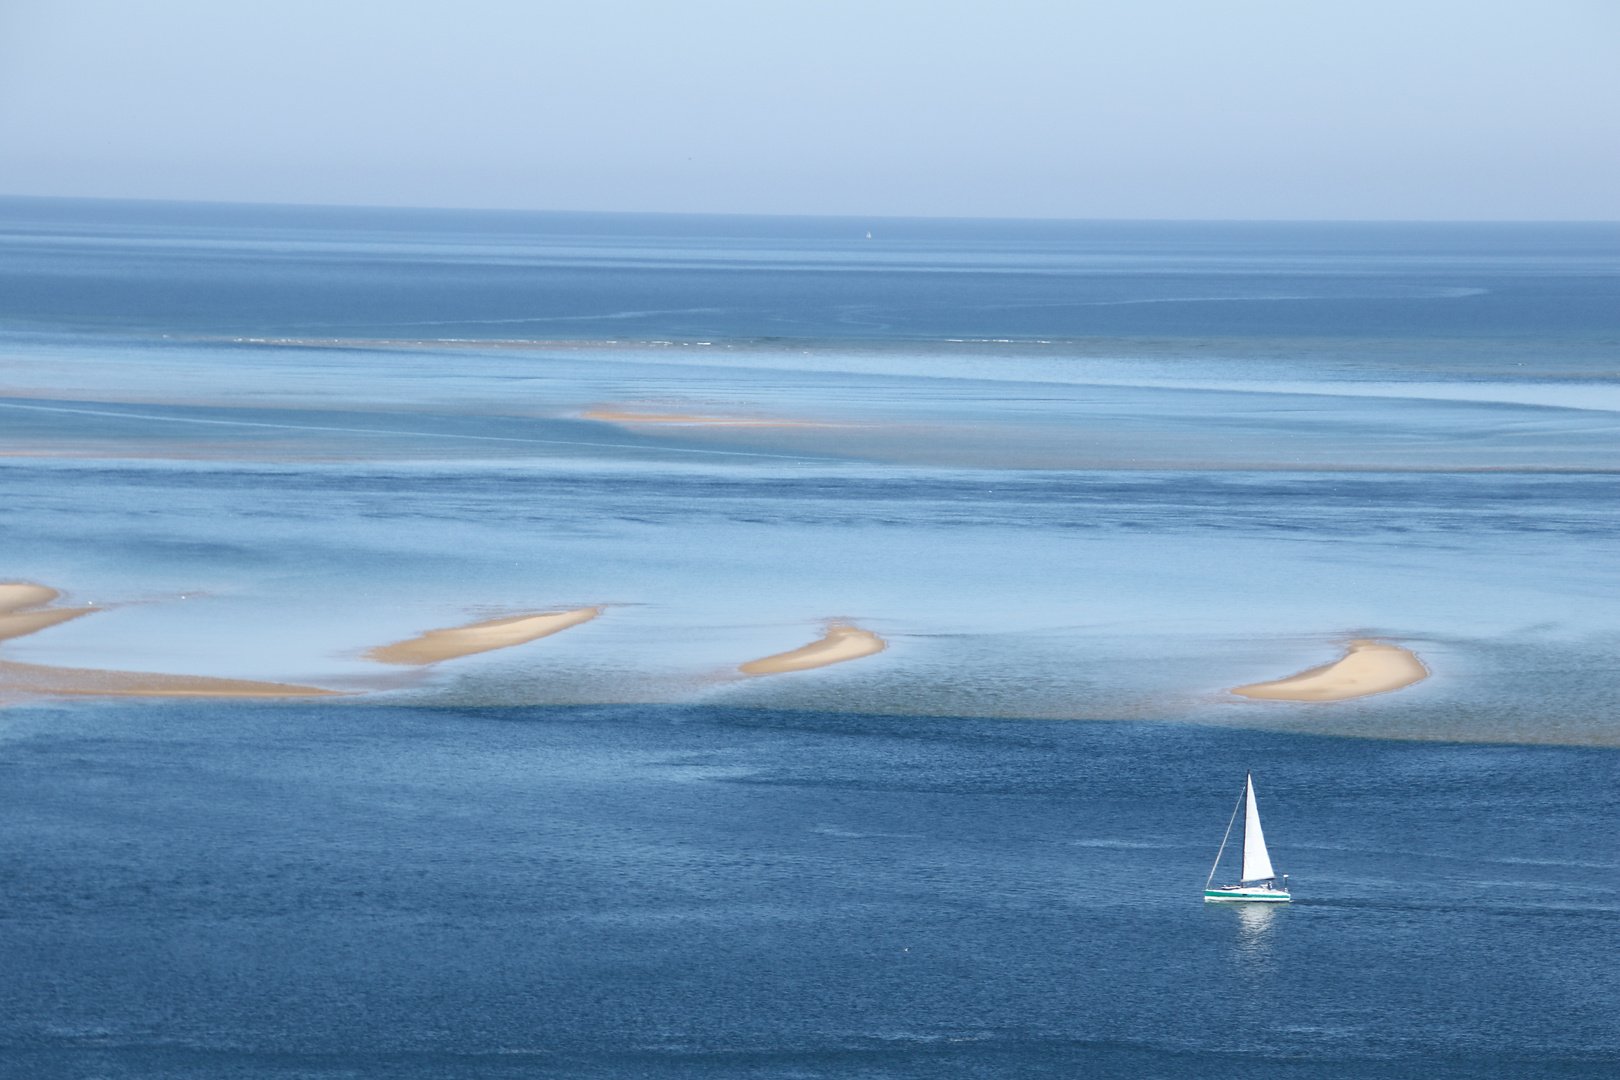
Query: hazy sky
x=1022 y=108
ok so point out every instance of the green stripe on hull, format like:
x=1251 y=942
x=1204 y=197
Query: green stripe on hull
x=1264 y=898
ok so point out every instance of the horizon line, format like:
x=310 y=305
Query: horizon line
x=425 y=207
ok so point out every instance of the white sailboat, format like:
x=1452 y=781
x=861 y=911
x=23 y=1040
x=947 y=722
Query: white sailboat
x=1259 y=880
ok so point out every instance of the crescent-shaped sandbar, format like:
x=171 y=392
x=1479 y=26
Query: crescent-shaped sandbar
x=839 y=644
x=1370 y=667
x=447 y=644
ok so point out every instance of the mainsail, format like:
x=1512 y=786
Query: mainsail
x=1256 y=862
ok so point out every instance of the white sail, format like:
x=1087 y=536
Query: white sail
x=1256 y=862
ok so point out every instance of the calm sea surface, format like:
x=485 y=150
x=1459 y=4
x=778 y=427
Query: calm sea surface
x=1084 y=478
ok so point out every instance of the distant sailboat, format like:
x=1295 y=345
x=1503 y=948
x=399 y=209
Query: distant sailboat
x=1259 y=880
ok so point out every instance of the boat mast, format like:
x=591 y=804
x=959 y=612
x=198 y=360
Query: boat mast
x=1241 y=795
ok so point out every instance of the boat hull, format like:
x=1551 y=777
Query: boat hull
x=1243 y=896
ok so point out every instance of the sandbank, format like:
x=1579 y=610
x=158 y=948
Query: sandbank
x=1369 y=667
x=15 y=595
x=40 y=679
x=15 y=622
x=27 y=622
x=839 y=644
x=447 y=644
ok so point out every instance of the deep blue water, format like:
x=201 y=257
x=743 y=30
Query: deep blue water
x=202 y=891
x=1083 y=478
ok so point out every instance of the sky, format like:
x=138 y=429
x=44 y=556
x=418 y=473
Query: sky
x=1247 y=109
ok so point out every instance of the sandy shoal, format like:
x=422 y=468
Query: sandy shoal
x=40 y=679
x=1369 y=667
x=19 y=624
x=447 y=644
x=839 y=644
x=16 y=595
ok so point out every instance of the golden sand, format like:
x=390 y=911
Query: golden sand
x=19 y=624
x=39 y=679
x=20 y=594
x=16 y=595
x=447 y=644
x=839 y=644
x=1368 y=668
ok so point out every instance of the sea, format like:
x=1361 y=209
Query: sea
x=1083 y=478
